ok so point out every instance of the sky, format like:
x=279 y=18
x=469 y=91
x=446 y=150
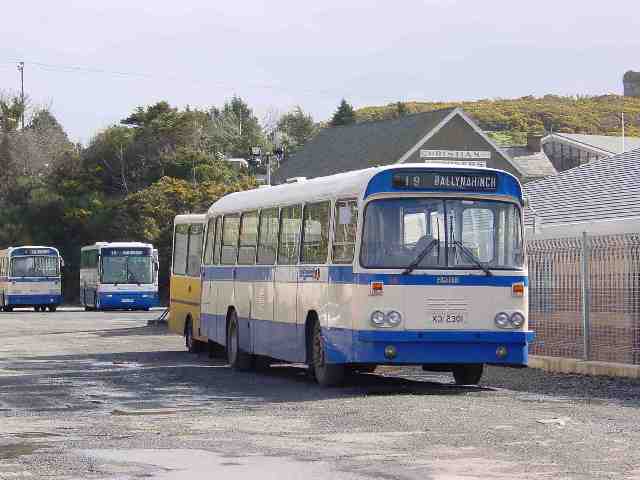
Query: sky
x=93 y=62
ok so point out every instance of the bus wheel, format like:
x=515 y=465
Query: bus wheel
x=8 y=309
x=467 y=374
x=326 y=374
x=189 y=342
x=238 y=359
x=52 y=308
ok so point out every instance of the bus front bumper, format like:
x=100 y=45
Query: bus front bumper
x=33 y=300
x=127 y=300
x=427 y=347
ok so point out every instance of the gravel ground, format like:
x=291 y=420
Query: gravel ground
x=104 y=396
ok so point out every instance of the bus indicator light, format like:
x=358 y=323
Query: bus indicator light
x=517 y=289
x=377 y=288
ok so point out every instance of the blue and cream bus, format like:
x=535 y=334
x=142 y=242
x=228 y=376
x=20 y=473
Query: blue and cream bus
x=400 y=265
x=30 y=277
x=119 y=275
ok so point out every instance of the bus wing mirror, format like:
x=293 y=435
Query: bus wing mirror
x=61 y=262
x=525 y=202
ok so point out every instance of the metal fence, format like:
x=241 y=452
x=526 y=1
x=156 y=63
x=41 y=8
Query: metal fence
x=584 y=297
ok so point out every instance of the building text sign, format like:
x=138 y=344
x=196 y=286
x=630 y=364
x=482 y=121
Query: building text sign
x=456 y=154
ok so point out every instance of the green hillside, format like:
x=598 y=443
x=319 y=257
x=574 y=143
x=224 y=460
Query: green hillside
x=590 y=115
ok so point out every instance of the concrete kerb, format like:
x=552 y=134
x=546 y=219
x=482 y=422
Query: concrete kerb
x=582 y=367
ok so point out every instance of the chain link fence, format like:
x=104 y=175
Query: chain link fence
x=584 y=297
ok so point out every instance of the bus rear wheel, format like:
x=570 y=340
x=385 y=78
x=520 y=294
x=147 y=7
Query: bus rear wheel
x=52 y=308
x=7 y=309
x=326 y=374
x=237 y=358
x=468 y=374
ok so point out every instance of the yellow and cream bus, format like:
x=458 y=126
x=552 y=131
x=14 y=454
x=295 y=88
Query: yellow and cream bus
x=184 y=303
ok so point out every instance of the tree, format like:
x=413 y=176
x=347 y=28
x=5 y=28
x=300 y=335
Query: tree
x=344 y=115
x=401 y=108
x=297 y=128
x=11 y=110
x=234 y=129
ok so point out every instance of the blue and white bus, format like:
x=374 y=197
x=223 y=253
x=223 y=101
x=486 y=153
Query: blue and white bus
x=30 y=277
x=400 y=265
x=119 y=275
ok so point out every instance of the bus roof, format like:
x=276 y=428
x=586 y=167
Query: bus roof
x=342 y=185
x=29 y=247
x=116 y=245
x=190 y=218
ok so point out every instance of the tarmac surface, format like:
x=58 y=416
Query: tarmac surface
x=87 y=395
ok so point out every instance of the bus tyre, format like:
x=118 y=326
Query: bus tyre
x=467 y=374
x=326 y=374
x=238 y=359
x=52 y=308
x=190 y=343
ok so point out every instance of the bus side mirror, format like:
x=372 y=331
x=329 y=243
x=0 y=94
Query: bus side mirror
x=525 y=201
x=61 y=262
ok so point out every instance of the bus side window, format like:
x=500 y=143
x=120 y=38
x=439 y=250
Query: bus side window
x=268 y=239
x=211 y=234
x=344 y=236
x=196 y=232
x=289 y=245
x=248 y=238
x=217 y=241
x=180 y=246
x=230 y=231
x=315 y=232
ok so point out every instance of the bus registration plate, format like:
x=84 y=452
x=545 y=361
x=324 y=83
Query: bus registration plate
x=447 y=318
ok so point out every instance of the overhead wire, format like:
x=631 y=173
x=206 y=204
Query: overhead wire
x=58 y=68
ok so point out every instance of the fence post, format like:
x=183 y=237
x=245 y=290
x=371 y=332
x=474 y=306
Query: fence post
x=584 y=285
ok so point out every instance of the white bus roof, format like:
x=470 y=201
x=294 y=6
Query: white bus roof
x=190 y=218
x=342 y=185
x=10 y=249
x=116 y=245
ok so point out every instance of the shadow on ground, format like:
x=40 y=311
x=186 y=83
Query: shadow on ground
x=176 y=379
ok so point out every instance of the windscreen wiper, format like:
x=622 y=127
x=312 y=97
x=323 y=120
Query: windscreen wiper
x=425 y=251
x=469 y=254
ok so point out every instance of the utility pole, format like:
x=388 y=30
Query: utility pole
x=21 y=70
x=623 y=145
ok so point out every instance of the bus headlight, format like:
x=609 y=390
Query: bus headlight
x=394 y=318
x=502 y=320
x=378 y=318
x=517 y=319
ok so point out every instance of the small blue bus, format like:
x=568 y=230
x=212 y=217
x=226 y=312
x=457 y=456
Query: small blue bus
x=30 y=276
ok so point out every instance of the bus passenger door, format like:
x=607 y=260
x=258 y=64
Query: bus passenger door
x=284 y=329
x=264 y=281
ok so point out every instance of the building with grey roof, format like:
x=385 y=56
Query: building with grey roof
x=447 y=135
x=568 y=150
x=599 y=197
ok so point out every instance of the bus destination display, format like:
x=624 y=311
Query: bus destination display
x=33 y=251
x=126 y=252
x=464 y=182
